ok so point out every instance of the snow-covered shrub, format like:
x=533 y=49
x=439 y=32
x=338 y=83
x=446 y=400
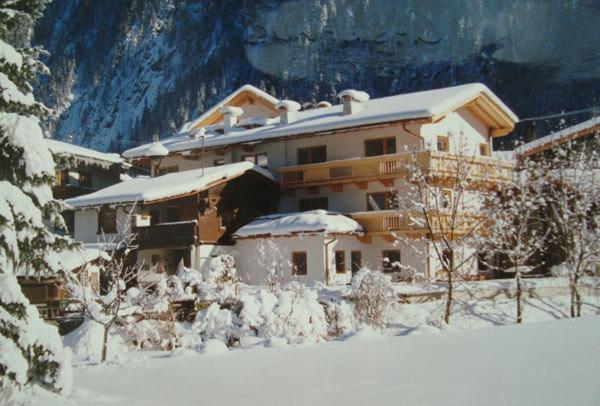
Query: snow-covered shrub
x=292 y=313
x=341 y=318
x=184 y=284
x=372 y=295
x=220 y=270
x=87 y=340
x=154 y=334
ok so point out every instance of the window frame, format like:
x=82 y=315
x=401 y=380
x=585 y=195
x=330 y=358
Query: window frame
x=388 y=206
x=389 y=268
x=339 y=257
x=255 y=159
x=353 y=262
x=113 y=226
x=384 y=146
x=484 y=149
x=445 y=141
x=296 y=254
x=310 y=154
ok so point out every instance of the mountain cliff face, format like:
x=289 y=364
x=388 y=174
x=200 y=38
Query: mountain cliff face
x=124 y=70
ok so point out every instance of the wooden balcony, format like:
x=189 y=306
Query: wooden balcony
x=388 y=222
x=440 y=165
x=167 y=235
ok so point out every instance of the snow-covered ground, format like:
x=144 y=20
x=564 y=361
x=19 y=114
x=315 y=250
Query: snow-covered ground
x=546 y=363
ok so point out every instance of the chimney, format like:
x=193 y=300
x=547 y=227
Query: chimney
x=353 y=100
x=197 y=132
x=288 y=109
x=230 y=117
x=323 y=104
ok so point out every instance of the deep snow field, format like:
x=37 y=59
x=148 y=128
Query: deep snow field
x=543 y=362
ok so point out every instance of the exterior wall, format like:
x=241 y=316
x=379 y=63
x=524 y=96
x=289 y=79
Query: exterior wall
x=464 y=131
x=86 y=225
x=255 y=256
x=202 y=254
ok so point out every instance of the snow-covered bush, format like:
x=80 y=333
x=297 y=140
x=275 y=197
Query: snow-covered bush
x=154 y=334
x=341 y=318
x=372 y=295
x=292 y=313
x=220 y=270
x=86 y=343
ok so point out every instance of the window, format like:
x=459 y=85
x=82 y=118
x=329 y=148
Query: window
x=311 y=155
x=443 y=144
x=173 y=214
x=355 y=261
x=85 y=179
x=391 y=261
x=379 y=201
x=484 y=149
x=107 y=220
x=219 y=162
x=259 y=159
x=62 y=178
x=340 y=262
x=446 y=199
x=380 y=146
x=167 y=169
x=299 y=263
x=154 y=217
x=314 y=203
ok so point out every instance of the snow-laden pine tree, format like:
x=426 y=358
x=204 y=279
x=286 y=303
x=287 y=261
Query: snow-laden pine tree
x=31 y=351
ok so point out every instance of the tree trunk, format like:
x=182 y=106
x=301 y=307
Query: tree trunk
x=518 y=297
x=105 y=344
x=449 y=297
x=575 y=298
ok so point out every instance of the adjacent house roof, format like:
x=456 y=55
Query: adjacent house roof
x=560 y=137
x=172 y=185
x=290 y=224
x=84 y=154
x=429 y=106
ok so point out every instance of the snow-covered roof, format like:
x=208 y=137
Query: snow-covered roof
x=246 y=88
x=420 y=105
x=65 y=148
x=145 y=189
x=309 y=222
x=559 y=137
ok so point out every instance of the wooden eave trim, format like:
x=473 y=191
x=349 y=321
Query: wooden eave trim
x=309 y=135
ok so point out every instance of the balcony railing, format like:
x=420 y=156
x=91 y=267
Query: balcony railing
x=177 y=234
x=439 y=164
x=413 y=223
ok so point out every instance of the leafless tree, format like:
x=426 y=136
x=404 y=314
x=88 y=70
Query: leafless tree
x=441 y=195
x=574 y=202
x=515 y=232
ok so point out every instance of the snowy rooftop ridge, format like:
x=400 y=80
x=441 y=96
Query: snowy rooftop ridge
x=246 y=88
x=418 y=105
x=60 y=147
x=560 y=137
x=144 y=189
x=308 y=222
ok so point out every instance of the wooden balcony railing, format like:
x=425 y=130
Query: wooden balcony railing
x=438 y=164
x=177 y=234
x=413 y=223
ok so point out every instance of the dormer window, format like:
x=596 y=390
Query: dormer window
x=443 y=143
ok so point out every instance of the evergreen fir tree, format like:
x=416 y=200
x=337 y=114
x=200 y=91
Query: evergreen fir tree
x=31 y=351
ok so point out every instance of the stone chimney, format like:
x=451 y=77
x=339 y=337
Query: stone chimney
x=288 y=110
x=353 y=100
x=230 y=117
